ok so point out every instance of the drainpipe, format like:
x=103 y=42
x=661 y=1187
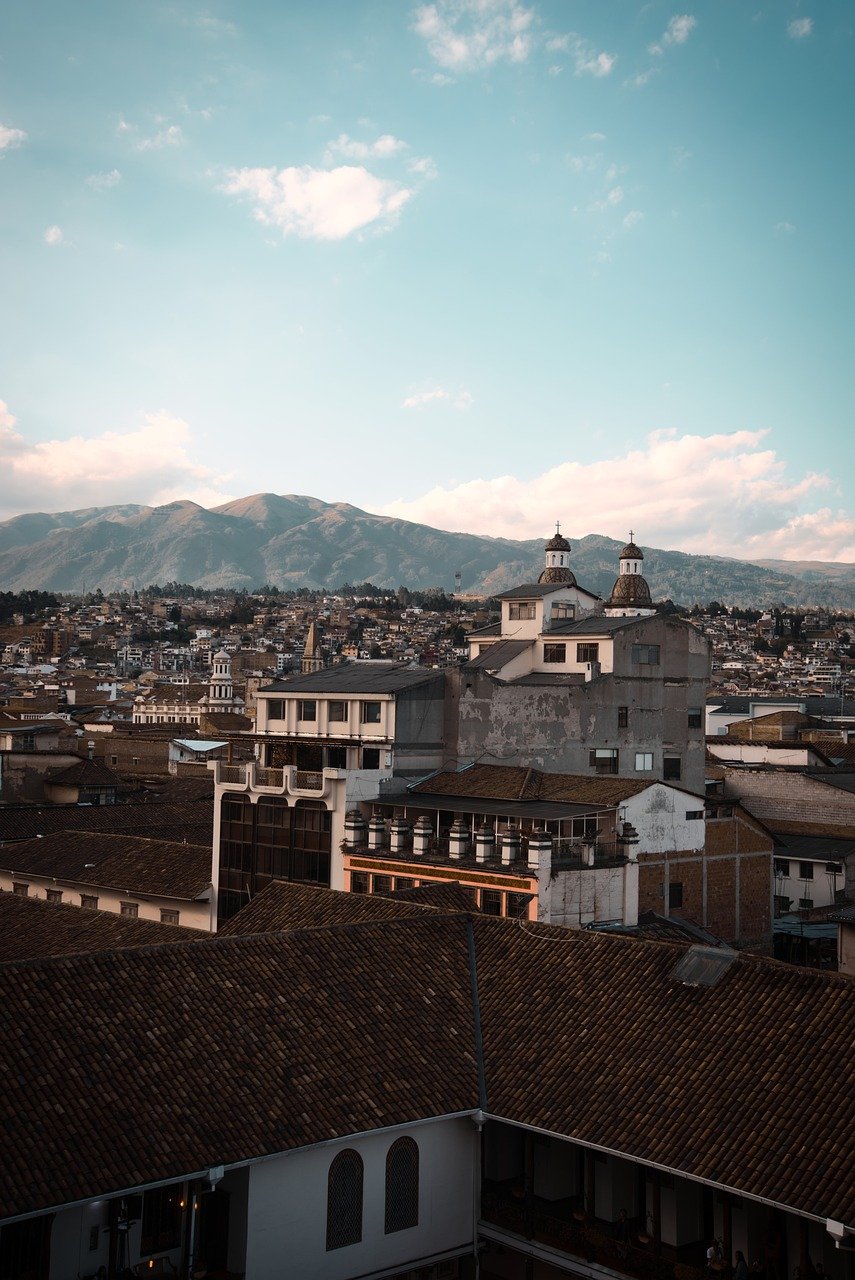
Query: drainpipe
x=478 y=1120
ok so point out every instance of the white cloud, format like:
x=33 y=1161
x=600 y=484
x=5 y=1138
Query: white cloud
x=54 y=235
x=381 y=148
x=152 y=463
x=424 y=166
x=609 y=201
x=784 y=228
x=678 y=30
x=643 y=78
x=211 y=25
x=104 y=181
x=169 y=136
x=462 y=35
x=632 y=219
x=674 y=490
x=594 y=137
x=319 y=204
x=799 y=28
x=456 y=399
x=586 y=60
x=10 y=137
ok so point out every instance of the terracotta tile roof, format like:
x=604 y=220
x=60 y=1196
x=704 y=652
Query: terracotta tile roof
x=162 y=868
x=85 y=773
x=516 y=782
x=153 y=1062
x=444 y=895
x=826 y=830
x=178 y=820
x=282 y=905
x=588 y=1035
x=31 y=928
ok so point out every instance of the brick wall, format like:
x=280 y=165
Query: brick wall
x=726 y=888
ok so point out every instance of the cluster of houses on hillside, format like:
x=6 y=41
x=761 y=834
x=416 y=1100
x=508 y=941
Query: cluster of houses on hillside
x=356 y=966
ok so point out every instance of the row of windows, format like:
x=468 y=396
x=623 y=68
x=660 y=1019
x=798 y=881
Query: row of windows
x=806 y=869
x=90 y=901
x=492 y=902
x=338 y=711
x=344 y=1193
x=607 y=760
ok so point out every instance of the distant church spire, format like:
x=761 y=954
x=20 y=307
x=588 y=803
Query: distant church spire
x=312 y=657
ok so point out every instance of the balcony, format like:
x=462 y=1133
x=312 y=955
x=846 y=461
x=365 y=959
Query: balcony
x=563 y=1226
x=282 y=781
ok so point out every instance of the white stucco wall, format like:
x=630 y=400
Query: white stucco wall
x=659 y=816
x=288 y=1206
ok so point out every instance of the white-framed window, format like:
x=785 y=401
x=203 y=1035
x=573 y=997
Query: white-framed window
x=643 y=761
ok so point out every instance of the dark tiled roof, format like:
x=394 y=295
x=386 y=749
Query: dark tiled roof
x=588 y=1035
x=819 y=830
x=530 y=591
x=282 y=905
x=444 y=895
x=31 y=928
x=181 y=1057
x=178 y=820
x=595 y=625
x=518 y=783
x=85 y=773
x=162 y=868
x=491 y=629
x=355 y=677
x=498 y=654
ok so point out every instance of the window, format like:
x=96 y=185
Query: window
x=371 y=713
x=834 y=868
x=135 y=759
x=782 y=866
x=307 y=709
x=518 y=905
x=671 y=766
x=168 y=915
x=587 y=652
x=604 y=759
x=491 y=902
x=805 y=870
x=25 y=1248
x=643 y=761
x=675 y=894
x=337 y=711
x=780 y=905
x=360 y=882
x=521 y=612
x=381 y=884
x=89 y=901
x=402 y=1185
x=275 y=709
x=94 y=1234
x=555 y=653
x=646 y=654
x=805 y=904
x=695 y=719
x=54 y=895
x=371 y=757
x=131 y=909
x=161 y=1220
x=114 y=759
x=21 y=890
x=563 y=612
x=404 y=882
x=336 y=757
x=623 y=717
x=344 y=1200
x=694 y=815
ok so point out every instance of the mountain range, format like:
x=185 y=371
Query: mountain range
x=293 y=541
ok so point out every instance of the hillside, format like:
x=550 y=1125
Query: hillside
x=295 y=541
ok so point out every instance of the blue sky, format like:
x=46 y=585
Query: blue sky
x=483 y=263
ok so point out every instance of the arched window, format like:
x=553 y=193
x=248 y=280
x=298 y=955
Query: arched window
x=344 y=1200
x=402 y=1185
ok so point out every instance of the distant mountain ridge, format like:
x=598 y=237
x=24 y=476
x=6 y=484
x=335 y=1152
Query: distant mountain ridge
x=294 y=541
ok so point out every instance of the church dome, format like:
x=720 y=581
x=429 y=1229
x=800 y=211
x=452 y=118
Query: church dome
x=556 y=569
x=630 y=591
x=631 y=552
x=557 y=543
x=556 y=574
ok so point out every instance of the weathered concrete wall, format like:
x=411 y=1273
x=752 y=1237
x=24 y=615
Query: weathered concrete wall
x=555 y=726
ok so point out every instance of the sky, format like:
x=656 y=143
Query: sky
x=484 y=264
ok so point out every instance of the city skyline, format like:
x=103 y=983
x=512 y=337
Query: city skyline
x=585 y=265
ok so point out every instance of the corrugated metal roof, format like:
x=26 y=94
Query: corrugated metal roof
x=498 y=655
